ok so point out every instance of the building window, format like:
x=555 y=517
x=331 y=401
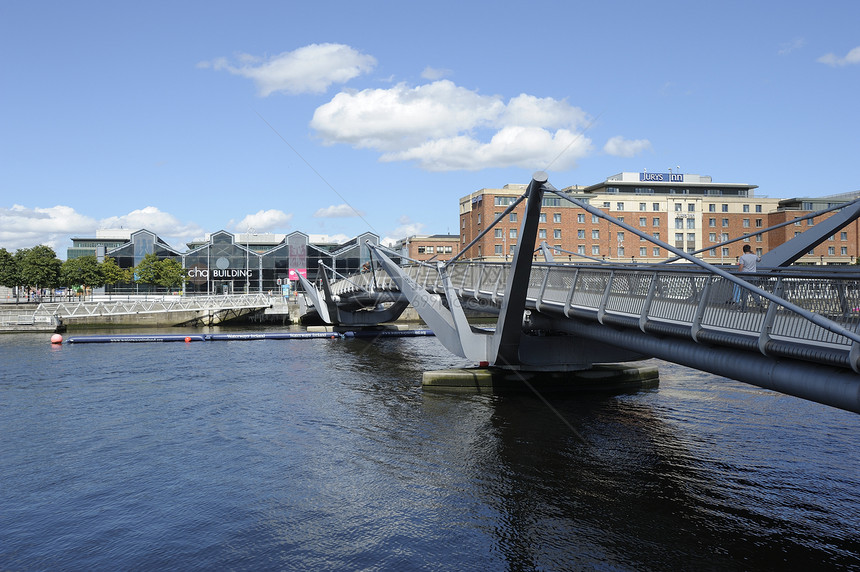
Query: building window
x=499 y=249
x=725 y=222
x=580 y=249
x=844 y=250
x=619 y=206
x=643 y=221
x=504 y=201
x=580 y=233
x=620 y=237
x=430 y=250
x=595 y=250
x=595 y=219
x=691 y=223
x=556 y=217
x=656 y=251
x=513 y=217
x=691 y=237
x=712 y=222
x=643 y=251
x=810 y=222
x=542 y=233
x=643 y=206
x=758 y=223
x=499 y=233
x=758 y=238
x=712 y=236
x=620 y=251
x=831 y=250
x=843 y=236
x=746 y=208
x=725 y=208
x=580 y=218
x=556 y=233
x=746 y=223
x=677 y=207
x=655 y=221
x=758 y=208
x=724 y=251
x=691 y=207
x=479 y=218
x=724 y=237
x=595 y=234
x=679 y=223
x=513 y=233
x=542 y=217
x=712 y=208
x=656 y=235
x=679 y=237
x=655 y=207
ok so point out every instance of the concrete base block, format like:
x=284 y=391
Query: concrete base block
x=600 y=378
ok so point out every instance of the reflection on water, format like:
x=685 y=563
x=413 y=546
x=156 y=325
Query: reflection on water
x=326 y=454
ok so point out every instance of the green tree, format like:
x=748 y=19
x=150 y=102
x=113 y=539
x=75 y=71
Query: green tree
x=10 y=275
x=146 y=272
x=39 y=267
x=112 y=274
x=170 y=273
x=83 y=271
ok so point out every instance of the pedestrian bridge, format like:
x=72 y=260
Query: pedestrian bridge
x=157 y=310
x=789 y=329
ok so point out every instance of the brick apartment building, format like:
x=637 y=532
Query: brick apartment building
x=687 y=211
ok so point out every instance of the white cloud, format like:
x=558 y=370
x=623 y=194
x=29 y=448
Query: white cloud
x=328 y=238
x=337 y=211
x=23 y=227
x=406 y=227
x=791 y=46
x=151 y=218
x=851 y=58
x=310 y=69
x=620 y=147
x=264 y=221
x=434 y=73
x=442 y=126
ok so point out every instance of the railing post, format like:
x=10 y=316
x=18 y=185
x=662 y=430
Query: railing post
x=696 y=326
x=601 y=309
x=770 y=318
x=569 y=302
x=646 y=304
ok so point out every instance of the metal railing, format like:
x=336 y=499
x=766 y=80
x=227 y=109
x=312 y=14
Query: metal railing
x=156 y=304
x=671 y=297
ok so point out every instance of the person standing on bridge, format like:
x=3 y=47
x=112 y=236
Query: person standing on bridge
x=747 y=263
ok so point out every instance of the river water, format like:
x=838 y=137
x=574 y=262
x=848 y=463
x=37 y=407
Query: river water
x=327 y=455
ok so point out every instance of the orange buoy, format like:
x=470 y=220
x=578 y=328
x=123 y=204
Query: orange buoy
x=187 y=339
x=56 y=339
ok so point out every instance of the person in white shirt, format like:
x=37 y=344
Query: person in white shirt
x=748 y=263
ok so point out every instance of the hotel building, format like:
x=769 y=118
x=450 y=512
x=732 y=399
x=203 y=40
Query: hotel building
x=689 y=212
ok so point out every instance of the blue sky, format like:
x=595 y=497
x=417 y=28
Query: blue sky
x=334 y=118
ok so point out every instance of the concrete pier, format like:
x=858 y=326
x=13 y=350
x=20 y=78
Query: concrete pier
x=600 y=378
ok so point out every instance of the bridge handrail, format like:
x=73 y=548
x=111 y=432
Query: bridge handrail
x=676 y=294
x=162 y=304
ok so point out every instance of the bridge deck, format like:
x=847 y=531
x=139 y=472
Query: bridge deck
x=670 y=300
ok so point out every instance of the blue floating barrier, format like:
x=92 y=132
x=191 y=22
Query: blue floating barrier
x=388 y=333
x=272 y=336
x=139 y=338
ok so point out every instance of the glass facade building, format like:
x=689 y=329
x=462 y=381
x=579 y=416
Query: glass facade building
x=221 y=265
